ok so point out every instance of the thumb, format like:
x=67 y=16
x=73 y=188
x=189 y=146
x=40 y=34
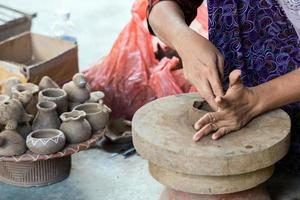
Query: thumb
x=235 y=77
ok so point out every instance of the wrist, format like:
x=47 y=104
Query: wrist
x=259 y=103
x=182 y=35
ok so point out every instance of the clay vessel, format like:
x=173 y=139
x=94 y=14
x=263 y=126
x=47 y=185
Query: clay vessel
x=47 y=82
x=26 y=93
x=12 y=112
x=8 y=84
x=96 y=114
x=24 y=129
x=47 y=117
x=46 y=141
x=96 y=97
x=78 y=90
x=11 y=143
x=75 y=127
x=57 y=96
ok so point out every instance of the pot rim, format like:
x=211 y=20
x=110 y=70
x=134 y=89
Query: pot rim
x=4 y=97
x=62 y=95
x=33 y=88
x=97 y=105
x=56 y=133
x=80 y=114
x=53 y=106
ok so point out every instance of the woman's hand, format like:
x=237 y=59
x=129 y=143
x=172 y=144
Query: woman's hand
x=203 y=64
x=235 y=110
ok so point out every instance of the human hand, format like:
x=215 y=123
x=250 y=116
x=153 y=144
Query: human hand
x=235 y=110
x=203 y=65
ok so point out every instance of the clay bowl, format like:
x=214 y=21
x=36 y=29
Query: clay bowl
x=96 y=114
x=32 y=88
x=56 y=95
x=119 y=131
x=46 y=141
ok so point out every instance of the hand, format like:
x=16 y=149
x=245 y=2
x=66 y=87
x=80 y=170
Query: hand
x=235 y=110
x=203 y=65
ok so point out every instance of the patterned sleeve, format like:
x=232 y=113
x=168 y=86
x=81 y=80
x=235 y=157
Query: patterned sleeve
x=189 y=8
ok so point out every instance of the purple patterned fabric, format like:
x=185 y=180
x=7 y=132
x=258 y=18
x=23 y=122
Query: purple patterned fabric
x=256 y=37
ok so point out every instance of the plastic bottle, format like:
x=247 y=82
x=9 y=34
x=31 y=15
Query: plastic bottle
x=63 y=28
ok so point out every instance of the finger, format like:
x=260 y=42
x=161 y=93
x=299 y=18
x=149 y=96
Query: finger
x=207 y=129
x=221 y=67
x=216 y=85
x=206 y=93
x=221 y=102
x=220 y=133
x=235 y=77
x=208 y=118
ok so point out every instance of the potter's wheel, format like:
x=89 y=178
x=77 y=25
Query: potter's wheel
x=162 y=134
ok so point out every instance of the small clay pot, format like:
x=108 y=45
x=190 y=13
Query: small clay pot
x=96 y=97
x=47 y=117
x=57 y=96
x=11 y=143
x=12 y=113
x=78 y=90
x=47 y=82
x=46 y=141
x=26 y=93
x=96 y=114
x=76 y=128
x=8 y=84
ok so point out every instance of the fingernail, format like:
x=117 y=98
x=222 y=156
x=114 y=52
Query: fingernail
x=196 y=138
x=196 y=127
x=214 y=137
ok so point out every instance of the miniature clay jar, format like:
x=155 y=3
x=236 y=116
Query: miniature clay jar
x=96 y=97
x=78 y=90
x=11 y=143
x=26 y=93
x=8 y=84
x=47 y=117
x=75 y=127
x=12 y=112
x=57 y=96
x=96 y=114
x=46 y=141
x=47 y=82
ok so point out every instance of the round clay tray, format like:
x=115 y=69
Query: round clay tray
x=67 y=151
x=32 y=169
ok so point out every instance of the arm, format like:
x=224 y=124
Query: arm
x=202 y=62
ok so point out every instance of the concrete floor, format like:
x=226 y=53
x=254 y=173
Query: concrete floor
x=94 y=175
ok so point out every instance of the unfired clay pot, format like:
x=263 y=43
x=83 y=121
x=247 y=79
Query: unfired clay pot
x=47 y=82
x=57 y=96
x=76 y=128
x=47 y=117
x=24 y=129
x=96 y=97
x=12 y=112
x=8 y=84
x=96 y=114
x=11 y=143
x=26 y=93
x=78 y=90
x=46 y=141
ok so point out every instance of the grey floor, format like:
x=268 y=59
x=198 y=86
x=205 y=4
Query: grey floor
x=95 y=175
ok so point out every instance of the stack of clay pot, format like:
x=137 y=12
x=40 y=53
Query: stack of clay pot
x=45 y=117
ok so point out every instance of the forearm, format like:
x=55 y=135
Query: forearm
x=167 y=22
x=278 y=92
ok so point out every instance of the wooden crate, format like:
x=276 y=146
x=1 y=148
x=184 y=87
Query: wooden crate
x=13 y=22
